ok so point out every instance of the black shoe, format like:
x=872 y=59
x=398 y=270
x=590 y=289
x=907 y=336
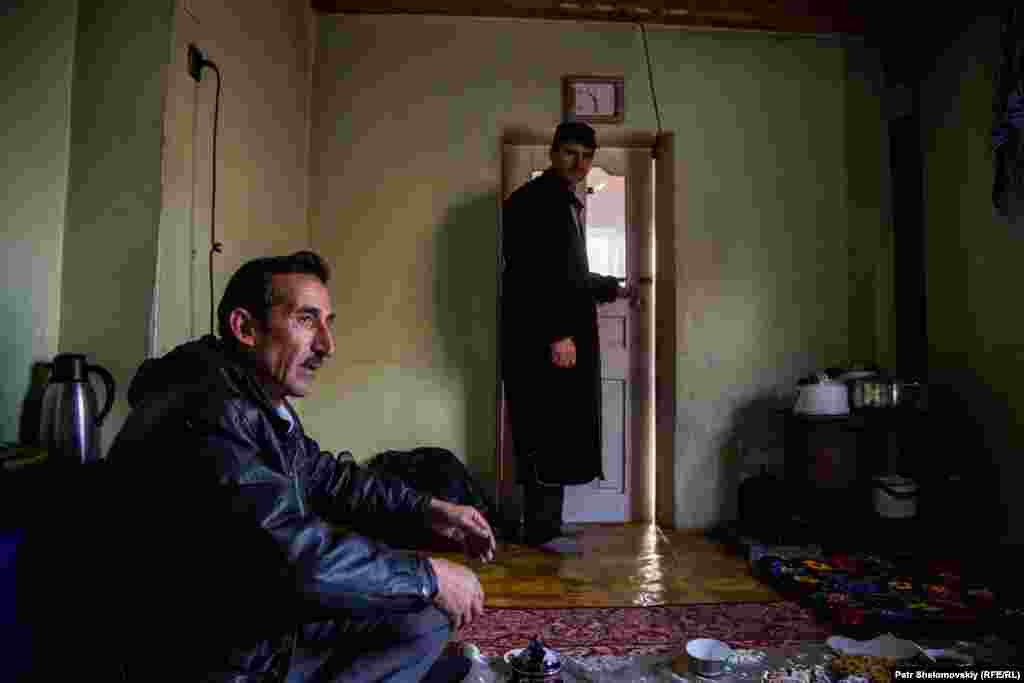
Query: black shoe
x=449 y=668
x=561 y=545
x=537 y=537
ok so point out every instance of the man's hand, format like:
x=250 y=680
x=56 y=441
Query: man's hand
x=459 y=594
x=563 y=353
x=463 y=524
x=631 y=292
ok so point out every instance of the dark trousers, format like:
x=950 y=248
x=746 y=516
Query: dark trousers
x=394 y=649
x=542 y=503
x=542 y=511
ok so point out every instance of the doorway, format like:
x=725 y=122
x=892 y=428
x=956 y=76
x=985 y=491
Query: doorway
x=618 y=196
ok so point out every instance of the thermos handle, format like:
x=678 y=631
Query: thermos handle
x=108 y=381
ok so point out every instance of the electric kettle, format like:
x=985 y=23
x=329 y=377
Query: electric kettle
x=823 y=397
x=69 y=426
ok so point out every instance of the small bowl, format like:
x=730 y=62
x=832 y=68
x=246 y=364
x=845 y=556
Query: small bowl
x=707 y=656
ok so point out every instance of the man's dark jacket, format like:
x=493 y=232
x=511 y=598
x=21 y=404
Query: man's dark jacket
x=240 y=520
x=548 y=294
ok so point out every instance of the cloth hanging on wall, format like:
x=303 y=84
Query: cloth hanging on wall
x=1007 y=137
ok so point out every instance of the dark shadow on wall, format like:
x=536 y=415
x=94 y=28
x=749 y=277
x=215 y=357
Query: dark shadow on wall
x=970 y=447
x=973 y=451
x=20 y=402
x=32 y=407
x=755 y=439
x=465 y=320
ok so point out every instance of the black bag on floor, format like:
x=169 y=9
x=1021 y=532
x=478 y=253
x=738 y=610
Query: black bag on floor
x=438 y=472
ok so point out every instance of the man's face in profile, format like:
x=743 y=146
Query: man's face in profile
x=298 y=335
x=572 y=162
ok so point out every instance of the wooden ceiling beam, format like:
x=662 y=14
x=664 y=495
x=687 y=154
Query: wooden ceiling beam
x=787 y=16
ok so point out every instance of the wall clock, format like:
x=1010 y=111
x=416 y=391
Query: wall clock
x=594 y=99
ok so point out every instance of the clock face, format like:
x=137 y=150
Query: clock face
x=594 y=99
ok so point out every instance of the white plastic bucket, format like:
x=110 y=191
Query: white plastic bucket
x=895 y=496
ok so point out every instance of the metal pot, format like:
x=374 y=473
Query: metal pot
x=870 y=392
x=895 y=497
x=909 y=395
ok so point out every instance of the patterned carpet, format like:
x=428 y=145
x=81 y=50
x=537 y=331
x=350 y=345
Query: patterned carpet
x=589 y=631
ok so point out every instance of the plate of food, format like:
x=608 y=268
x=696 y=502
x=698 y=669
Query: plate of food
x=862 y=667
x=887 y=647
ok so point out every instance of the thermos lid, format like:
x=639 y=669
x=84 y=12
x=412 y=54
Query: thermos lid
x=69 y=367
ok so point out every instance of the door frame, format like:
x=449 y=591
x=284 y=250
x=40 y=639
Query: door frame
x=661 y=296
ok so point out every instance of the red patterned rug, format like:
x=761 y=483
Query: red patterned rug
x=624 y=631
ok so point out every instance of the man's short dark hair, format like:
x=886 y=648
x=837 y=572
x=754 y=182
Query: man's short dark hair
x=252 y=287
x=574 y=132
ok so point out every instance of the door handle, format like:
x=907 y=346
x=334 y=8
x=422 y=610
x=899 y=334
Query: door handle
x=636 y=302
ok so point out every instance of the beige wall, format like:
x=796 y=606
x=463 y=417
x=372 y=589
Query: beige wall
x=114 y=187
x=408 y=116
x=88 y=134
x=263 y=52
x=869 y=201
x=973 y=260
x=403 y=199
x=37 y=44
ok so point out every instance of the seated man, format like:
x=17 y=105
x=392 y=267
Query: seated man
x=246 y=562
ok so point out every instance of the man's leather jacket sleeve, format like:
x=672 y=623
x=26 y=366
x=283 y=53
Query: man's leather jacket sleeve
x=347 y=494
x=282 y=490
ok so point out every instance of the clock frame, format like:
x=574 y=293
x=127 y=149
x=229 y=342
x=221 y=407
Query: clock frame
x=607 y=92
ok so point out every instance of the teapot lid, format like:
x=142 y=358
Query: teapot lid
x=535 y=660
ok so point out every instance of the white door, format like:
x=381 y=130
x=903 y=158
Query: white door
x=618 y=198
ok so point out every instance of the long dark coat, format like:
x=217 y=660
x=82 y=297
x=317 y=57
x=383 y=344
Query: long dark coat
x=549 y=293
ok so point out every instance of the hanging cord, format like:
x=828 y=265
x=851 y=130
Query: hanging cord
x=215 y=246
x=650 y=79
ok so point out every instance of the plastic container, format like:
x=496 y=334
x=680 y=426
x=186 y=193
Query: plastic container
x=895 y=497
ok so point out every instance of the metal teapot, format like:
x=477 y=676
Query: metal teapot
x=535 y=663
x=69 y=425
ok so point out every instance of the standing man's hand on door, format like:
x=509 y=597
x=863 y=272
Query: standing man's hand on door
x=563 y=353
x=632 y=293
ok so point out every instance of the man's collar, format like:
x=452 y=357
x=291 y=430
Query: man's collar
x=555 y=178
x=284 y=412
x=247 y=373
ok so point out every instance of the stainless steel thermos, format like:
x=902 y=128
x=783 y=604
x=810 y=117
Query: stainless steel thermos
x=70 y=420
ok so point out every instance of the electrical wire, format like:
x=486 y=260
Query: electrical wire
x=650 y=78
x=215 y=246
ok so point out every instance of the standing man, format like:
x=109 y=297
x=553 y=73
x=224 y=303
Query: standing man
x=550 y=353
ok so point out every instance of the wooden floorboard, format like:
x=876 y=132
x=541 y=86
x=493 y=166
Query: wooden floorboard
x=620 y=566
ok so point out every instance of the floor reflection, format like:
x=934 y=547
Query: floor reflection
x=622 y=565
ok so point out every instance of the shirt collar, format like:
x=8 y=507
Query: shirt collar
x=283 y=411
